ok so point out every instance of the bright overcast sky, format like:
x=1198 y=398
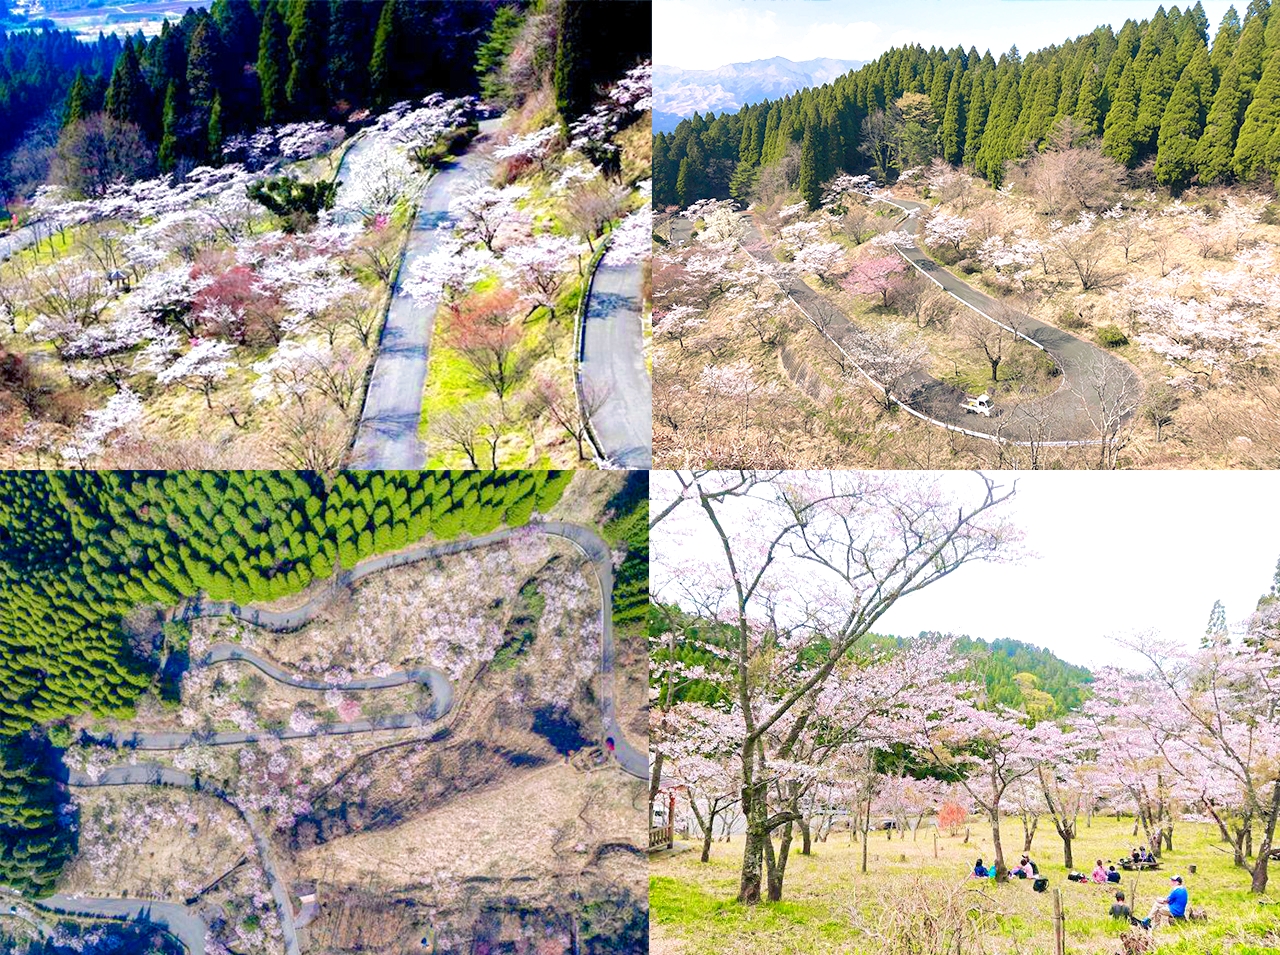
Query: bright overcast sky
x=702 y=34
x=1113 y=553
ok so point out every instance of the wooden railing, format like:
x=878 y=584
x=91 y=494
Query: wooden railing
x=661 y=837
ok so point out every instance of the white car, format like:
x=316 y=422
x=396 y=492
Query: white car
x=979 y=405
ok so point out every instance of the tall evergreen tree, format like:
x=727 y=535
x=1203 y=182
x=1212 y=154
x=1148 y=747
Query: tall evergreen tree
x=1088 y=110
x=1120 y=131
x=953 y=123
x=1161 y=77
x=492 y=54
x=78 y=104
x=349 y=50
x=1184 y=122
x=168 y=155
x=308 y=34
x=1216 y=149
x=215 y=135
x=126 y=99
x=382 y=60
x=571 y=99
x=272 y=64
x=1255 y=153
x=1224 y=44
x=810 y=169
x=204 y=66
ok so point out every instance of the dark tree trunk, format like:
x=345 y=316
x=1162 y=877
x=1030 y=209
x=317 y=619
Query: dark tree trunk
x=806 y=838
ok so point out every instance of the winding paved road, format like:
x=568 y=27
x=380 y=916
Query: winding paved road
x=387 y=435
x=612 y=363
x=1065 y=417
x=183 y=921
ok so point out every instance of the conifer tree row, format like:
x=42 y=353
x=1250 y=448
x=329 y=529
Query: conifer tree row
x=244 y=63
x=78 y=550
x=1157 y=92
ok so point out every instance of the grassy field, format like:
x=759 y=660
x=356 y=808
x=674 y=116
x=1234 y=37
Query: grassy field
x=899 y=906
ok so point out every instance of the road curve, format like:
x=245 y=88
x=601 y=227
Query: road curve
x=183 y=921
x=1076 y=401
x=178 y=920
x=612 y=363
x=1064 y=418
x=387 y=434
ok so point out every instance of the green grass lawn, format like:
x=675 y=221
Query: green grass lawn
x=829 y=906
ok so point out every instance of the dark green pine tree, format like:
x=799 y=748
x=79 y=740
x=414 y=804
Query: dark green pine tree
x=1120 y=131
x=1256 y=148
x=1183 y=123
x=382 y=61
x=126 y=99
x=168 y=154
x=308 y=32
x=1224 y=44
x=952 y=134
x=572 y=99
x=1157 y=86
x=664 y=182
x=492 y=54
x=348 y=51
x=272 y=62
x=238 y=28
x=1251 y=54
x=1216 y=149
x=810 y=168
x=1088 y=111
x=204 y=67
x=78 y=105
x=215 y=133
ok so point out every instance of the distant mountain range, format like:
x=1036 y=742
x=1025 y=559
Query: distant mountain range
x=679 y=93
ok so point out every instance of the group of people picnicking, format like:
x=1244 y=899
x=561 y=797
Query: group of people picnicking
x=1174 y=905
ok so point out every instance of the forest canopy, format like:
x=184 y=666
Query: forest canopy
x=1158 y=97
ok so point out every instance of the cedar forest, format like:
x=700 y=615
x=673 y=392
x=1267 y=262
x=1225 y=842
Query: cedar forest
x=1163 y=99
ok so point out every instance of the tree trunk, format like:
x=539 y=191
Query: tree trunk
x=1066 y=851
x=806 y=838
x=1028 y=834
x=1259 y=885
x=756 y=809
x=1002 y=871
x=706 y=844
x=866 y=828
x=779 y=869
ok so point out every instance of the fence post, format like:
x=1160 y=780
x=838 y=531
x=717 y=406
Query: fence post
x=1059 y=931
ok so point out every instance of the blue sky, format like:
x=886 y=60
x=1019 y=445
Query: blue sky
x=701 y=34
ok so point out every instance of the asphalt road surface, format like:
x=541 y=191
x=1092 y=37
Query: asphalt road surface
x=387 y=435
x=612 y=364
x=1089 y=374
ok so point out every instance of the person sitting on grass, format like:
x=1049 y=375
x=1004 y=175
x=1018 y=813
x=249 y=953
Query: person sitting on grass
x=1112 y=874
x=1100 y=873
x=979 y=870
x=1025 y=869
x=1120 y=910
x=1175 y=905
x=1136 y=856
x=1145 y=856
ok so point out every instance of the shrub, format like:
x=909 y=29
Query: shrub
x=1111 y=337
x=1072 y=320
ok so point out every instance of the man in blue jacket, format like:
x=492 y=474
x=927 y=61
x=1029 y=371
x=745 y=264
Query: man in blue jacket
x=1175 y=905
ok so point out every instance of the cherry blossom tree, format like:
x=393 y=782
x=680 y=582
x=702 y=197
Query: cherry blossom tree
x=201 y=369
x=540 y=268
x=481 y=214
x=891 y=354
x=945 y=228
x=805 y=566
x=877 y=276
